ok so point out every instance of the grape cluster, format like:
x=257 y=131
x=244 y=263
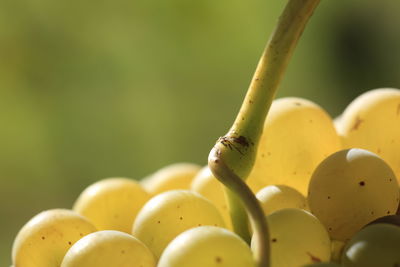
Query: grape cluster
x=329 y=191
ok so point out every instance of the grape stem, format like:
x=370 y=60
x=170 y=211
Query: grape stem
x=233 y=155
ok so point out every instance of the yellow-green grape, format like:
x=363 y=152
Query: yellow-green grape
x=207 y=246
x=109 y=248
x=349 y=189
x=277 y=197
x=208 y=186
x=112 y=204
x=45 y=239
x=297 y=136
x=375 y=245
x=174 y=176
x=372 y=122
x=170 y=213
x=297 y=238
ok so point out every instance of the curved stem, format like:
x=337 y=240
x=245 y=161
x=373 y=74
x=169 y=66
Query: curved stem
x=234 y=154
x=256 y=214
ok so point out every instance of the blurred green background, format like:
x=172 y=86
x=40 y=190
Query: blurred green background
x=93 y=89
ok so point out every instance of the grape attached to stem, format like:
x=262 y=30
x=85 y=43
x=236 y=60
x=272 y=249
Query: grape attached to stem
x=232 y=157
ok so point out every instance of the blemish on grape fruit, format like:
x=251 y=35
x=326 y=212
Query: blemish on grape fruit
x=313 y=258
x=357 y=123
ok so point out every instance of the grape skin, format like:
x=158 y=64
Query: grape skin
x=297 y=136
x=277 y=197
x=112 y=204
x=351 y=188
x=208 y=186
x=174 y=176
x=296 y=238
x=207 y=246
x=372 y=122
x=109 y=248
x=375 y=245
x=44 y=240
x=170 y=213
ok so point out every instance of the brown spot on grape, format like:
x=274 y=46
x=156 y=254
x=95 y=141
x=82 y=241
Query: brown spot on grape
x=80 y=234
x=357 y=124
x=178 y=207
x=69 y=243
x=362 y=183
x=388 y=212
x=158 y=222
x=297 y=103
x=390 y=179
x=43 y=238
x=329 y=197
x=122 y=251
x=311 y=121
x=330 y=228
x=218 y=259
x=294 y=173
x=313 y=258
x=181 y=218
x=262 y=155
x=372 y=213
x=250 y=101
x=274 y=240
x=199 y=224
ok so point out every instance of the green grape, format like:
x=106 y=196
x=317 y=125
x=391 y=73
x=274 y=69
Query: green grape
x=112 y=204
x=351 y=188
x=372 y=122
x=297 y=238
x=170 y=213
x=277 y=197
x=297 y=136
x=207 y=246
x=44 y=240
x=391 y=219
x=109 y=248
x=373 y=246
x=174 y=176
x=208 y=186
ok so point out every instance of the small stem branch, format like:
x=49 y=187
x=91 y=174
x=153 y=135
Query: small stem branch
x=256 y=214
x=233 y=156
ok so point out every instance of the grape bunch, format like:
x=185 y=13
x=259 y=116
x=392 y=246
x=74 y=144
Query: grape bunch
x=329 y=191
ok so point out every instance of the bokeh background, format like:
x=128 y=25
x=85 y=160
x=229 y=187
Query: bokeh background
x=93 y=89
